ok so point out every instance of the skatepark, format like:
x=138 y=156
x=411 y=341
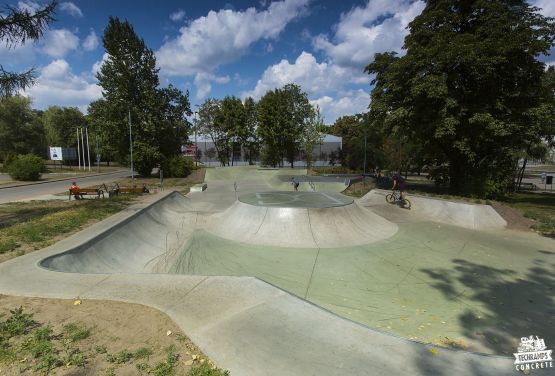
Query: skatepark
x=271 y=281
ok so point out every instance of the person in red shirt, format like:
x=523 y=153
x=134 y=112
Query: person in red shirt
x=74 y=189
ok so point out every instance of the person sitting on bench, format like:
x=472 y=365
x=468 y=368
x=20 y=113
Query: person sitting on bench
x=74 y=189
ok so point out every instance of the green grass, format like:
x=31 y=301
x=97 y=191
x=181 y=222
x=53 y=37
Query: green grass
x=537 y=206
x=76 y=332
x=121 y=357
x=36 y=224
x=142 y=353
x=167 y=368
x=205 y=370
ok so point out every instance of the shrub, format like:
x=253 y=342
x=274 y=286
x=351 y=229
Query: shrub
x=8 y=160
x=178 y=166
x=26 y=167
x=145 y=158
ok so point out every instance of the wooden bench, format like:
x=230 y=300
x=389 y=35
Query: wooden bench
x=86 y=192
x=116 y=190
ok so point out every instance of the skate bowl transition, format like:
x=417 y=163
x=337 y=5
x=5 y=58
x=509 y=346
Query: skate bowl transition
x=275 y=282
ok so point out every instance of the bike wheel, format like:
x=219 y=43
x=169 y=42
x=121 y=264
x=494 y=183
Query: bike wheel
x=390 y=198
x=407 y=204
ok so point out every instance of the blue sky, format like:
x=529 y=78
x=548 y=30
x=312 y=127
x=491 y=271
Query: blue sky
x=218 y=48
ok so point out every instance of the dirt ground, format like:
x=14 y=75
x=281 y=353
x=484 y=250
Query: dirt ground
x=515 y=219
x=114 y=326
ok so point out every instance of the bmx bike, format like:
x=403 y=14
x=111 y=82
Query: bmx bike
x=395 y=198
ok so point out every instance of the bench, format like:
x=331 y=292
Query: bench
x=86 y=192
x=526 y=186
x=116 y=190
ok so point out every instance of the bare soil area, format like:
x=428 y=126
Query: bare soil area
x=124 y=339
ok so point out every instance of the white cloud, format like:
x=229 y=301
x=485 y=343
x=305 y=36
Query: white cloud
x=71 y=9
x=380 y=26
x=29 y=6
x=313 y=77
x=91 y=41
x=58 y=85
x=203 y=83
x=96 y=66
x=58 y=42
x=223 y=36
x=547 y=7
x=345 y=103
x=178 y=15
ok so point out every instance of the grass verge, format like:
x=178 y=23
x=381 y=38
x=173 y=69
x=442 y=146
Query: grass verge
x=26 y=226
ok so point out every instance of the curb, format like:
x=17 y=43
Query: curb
x=54 y=180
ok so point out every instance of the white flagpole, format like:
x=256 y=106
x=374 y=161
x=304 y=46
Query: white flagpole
x=88 y=149
x=83 y=150
x=78 y=149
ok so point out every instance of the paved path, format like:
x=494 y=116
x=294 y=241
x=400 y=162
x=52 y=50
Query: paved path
x=48 y=188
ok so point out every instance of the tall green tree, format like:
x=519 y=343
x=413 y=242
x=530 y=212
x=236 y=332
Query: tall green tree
x=283 y=114
x=468 y=89
x=129 y=81
x=251 y=142
x=60 y=125
x=17 y=26
x=230 y=121
x=312 y=135
x=206 y=125
x=109 y=136
x=21 y=131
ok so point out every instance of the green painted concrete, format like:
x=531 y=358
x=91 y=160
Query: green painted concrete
x=296 y=199
x=427 y=283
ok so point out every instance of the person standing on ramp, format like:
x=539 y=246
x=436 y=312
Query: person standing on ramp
x=295 y=184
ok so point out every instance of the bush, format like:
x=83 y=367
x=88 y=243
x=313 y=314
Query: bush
x=8 y=160
x=26 y=167
x=178 y=166
x=145 y=158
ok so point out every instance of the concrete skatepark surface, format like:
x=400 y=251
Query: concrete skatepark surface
x=254 y=306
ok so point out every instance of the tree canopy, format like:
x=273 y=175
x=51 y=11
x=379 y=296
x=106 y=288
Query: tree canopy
x=469 y=88
x=130 y=87
x=17 y=26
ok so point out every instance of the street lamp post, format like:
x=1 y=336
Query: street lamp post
x=196 y=144
x=131 y=148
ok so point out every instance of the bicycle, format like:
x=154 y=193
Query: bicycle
x=395 y=198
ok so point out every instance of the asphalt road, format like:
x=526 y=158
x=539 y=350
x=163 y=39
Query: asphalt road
x=30 y=191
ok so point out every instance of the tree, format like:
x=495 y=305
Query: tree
x=103 y=121
x=206 y=125
x=468 y=89
x=20 y=129
x=250 y=140
x=283 y=114
x=60 y=125
x=230 y=125
x=17 y=26
x=129 y=81
x=312 y=135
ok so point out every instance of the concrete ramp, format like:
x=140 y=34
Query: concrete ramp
x=132 y=246
x=472 y=216
x=332 y=227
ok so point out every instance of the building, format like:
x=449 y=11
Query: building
x=207 y=154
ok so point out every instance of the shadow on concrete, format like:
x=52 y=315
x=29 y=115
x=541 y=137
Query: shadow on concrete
x=503 y=305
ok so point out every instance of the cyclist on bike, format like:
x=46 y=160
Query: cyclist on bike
x=399 y=182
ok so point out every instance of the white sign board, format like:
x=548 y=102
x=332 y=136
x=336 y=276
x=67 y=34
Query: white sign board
x=56 y=153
